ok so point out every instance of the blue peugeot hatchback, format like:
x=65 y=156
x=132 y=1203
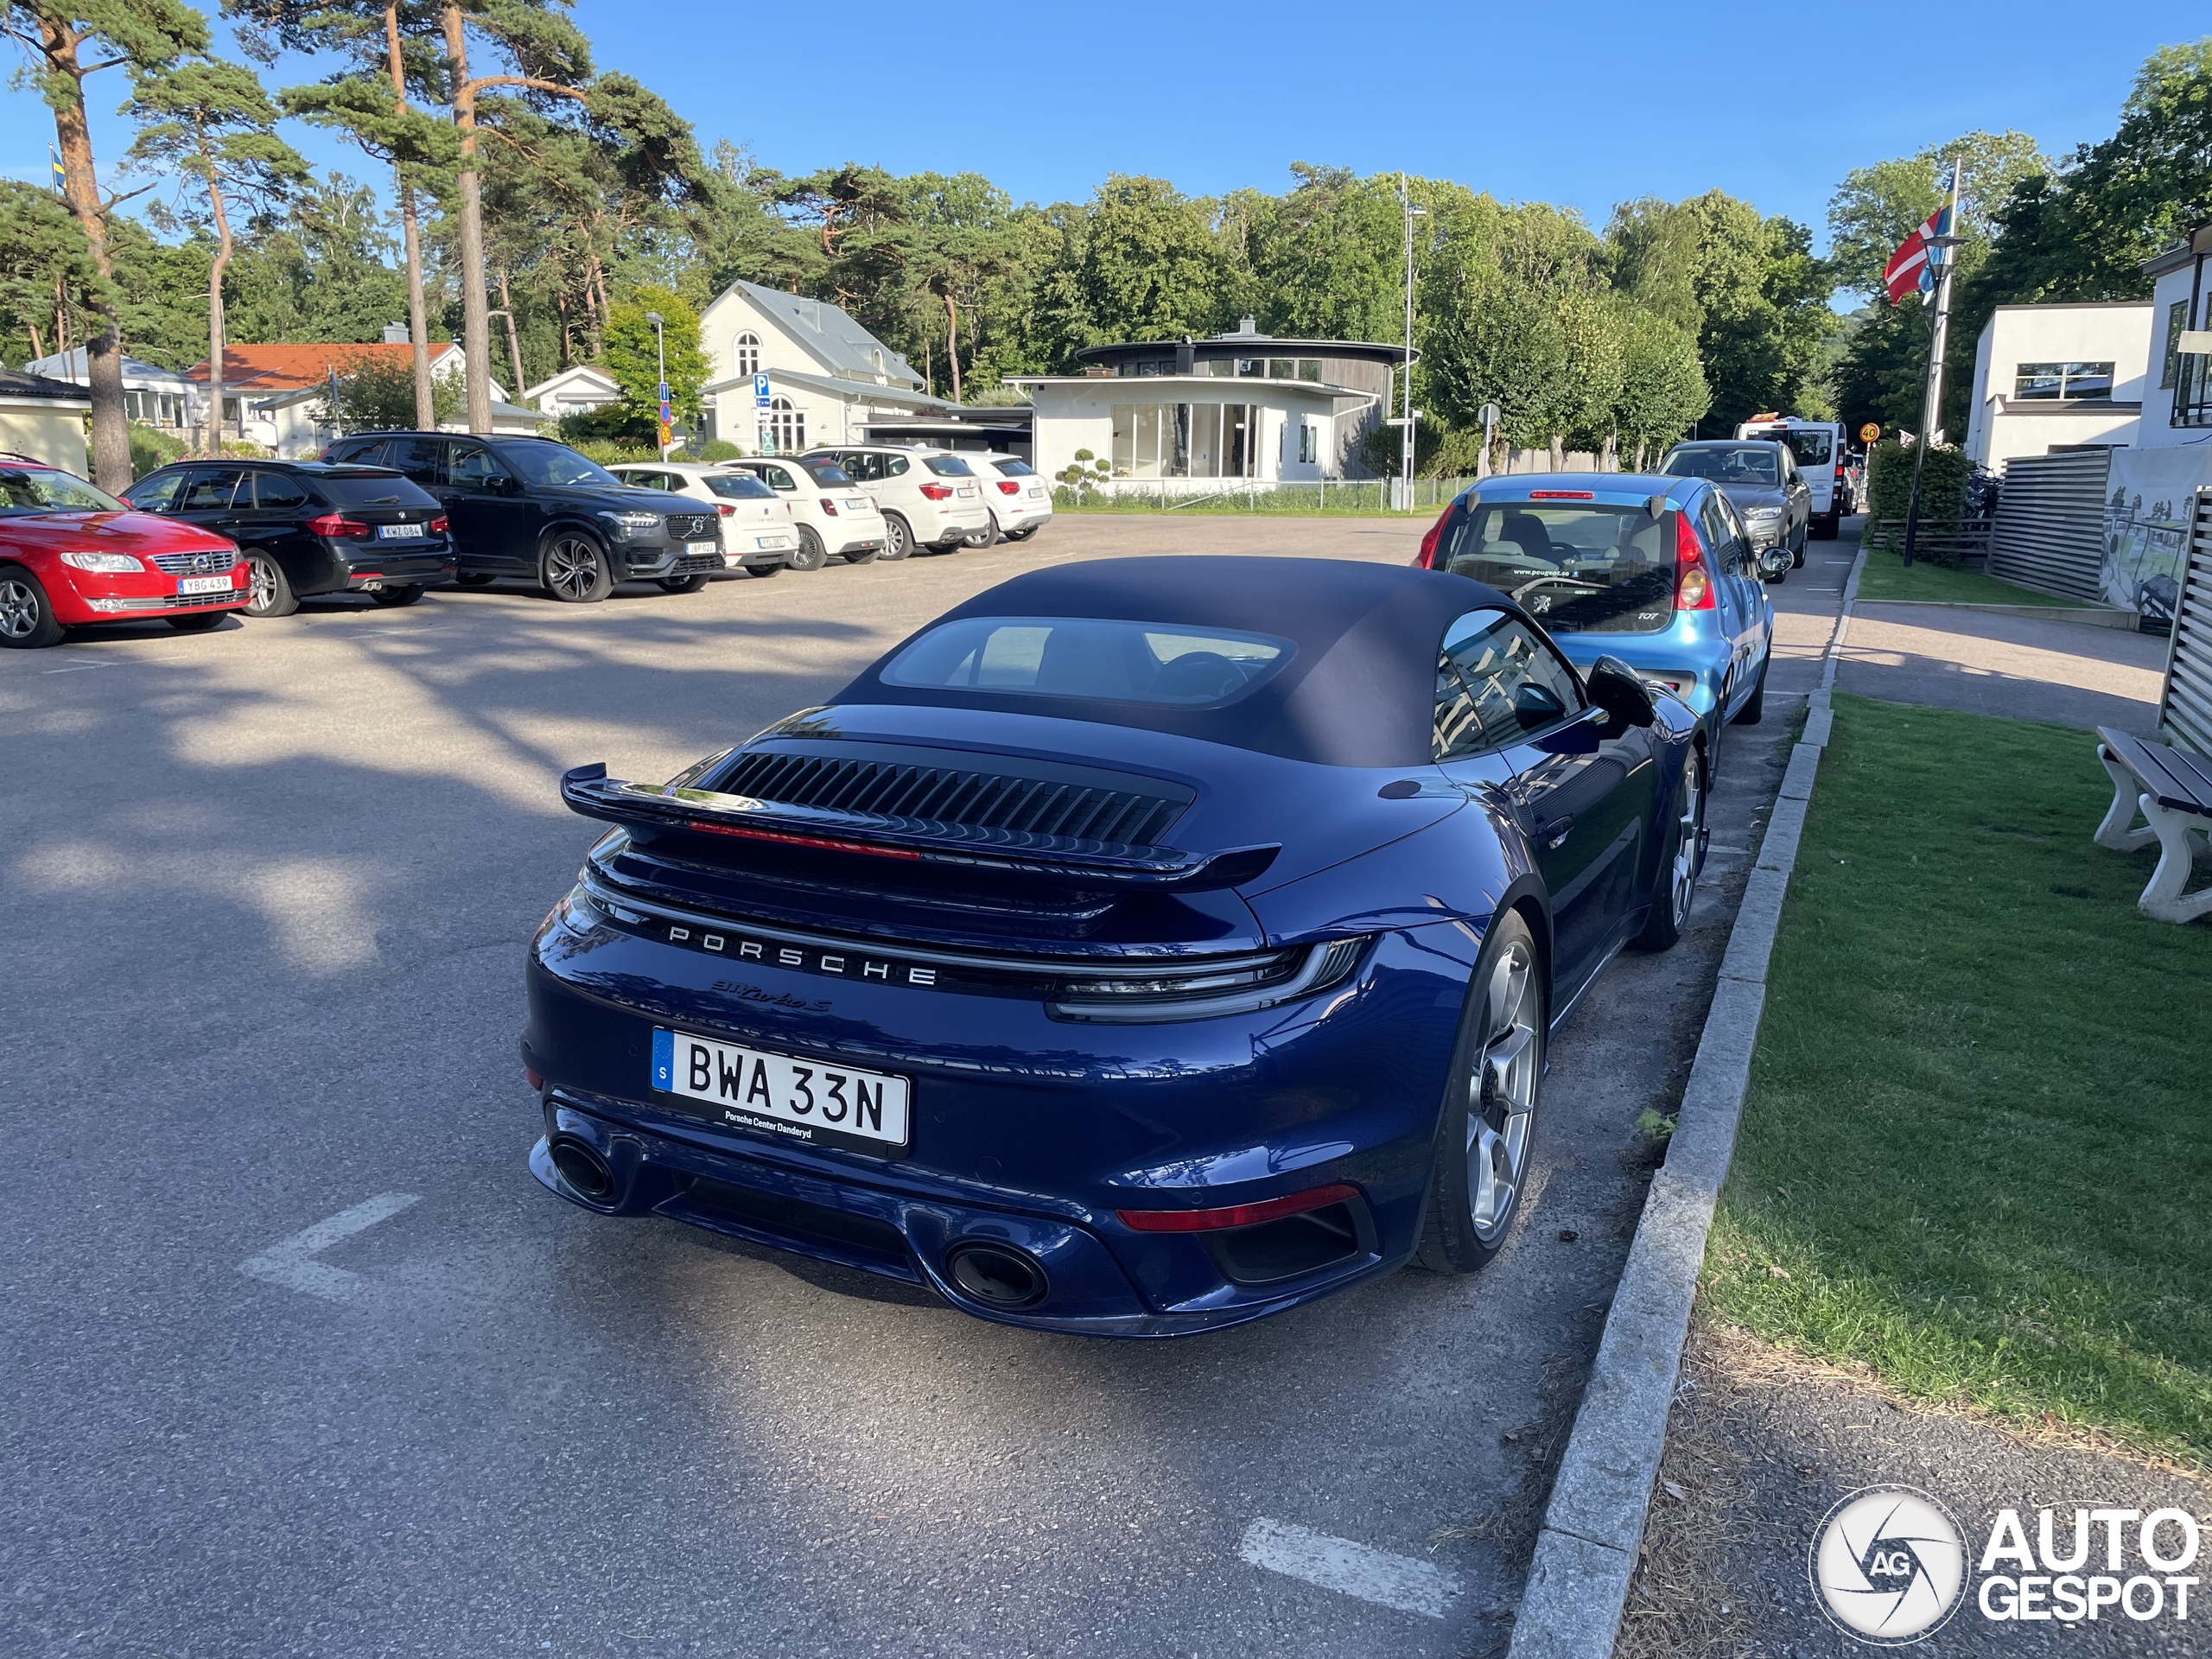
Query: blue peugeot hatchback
x=1657 y=571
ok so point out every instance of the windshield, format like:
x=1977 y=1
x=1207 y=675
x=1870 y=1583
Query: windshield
x=1088 y=657
x=1814 y=446
x=826 y=472
x=739 y=486
x=556 y=463
x=947 y=465
x=1739 y=464
x=1581 y=566
x=24 y=489
x=372 y=490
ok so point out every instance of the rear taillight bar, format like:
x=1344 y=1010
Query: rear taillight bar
x=937 y=492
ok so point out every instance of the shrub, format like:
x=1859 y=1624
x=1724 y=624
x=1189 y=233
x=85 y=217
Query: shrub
x=1889 y=492
x=152 y=447
x=614 y=423
x=376 y=394
x=716 y=449
x=609 y=452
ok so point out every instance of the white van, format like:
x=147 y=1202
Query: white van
x=1822 y=455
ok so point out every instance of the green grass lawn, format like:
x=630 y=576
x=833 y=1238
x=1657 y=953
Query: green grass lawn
x=1978 y=1141
x=1886 y=577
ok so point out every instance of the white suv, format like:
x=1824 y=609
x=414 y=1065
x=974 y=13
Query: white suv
x=833 y=514
x=929 y=497
x=754 y=523
x=1020 y=501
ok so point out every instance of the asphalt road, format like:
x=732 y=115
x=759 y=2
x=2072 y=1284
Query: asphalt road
x=266 y=893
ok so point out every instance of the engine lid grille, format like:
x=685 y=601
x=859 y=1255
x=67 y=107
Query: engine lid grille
x=1003 y=794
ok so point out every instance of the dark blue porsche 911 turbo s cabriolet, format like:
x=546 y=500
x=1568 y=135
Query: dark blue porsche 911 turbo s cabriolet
x=1144 y=946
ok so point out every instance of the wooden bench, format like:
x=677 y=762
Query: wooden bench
x=2172 y=789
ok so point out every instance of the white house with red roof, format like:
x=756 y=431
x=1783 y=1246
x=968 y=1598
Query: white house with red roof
x=272 y=395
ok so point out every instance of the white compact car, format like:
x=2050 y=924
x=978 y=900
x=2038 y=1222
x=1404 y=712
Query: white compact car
x=755 y=525
x=929 y=497
x=1020 y=500
x=834 y=515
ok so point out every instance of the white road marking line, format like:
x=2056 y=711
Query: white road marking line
x=1352 y=1569
x=290 y=1262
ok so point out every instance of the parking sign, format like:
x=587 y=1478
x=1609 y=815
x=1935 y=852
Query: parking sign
x=760 y=391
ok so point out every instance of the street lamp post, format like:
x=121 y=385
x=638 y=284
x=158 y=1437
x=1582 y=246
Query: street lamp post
x=660 y=360
x=1405 y=404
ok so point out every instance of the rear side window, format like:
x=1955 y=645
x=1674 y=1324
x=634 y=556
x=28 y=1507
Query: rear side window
x=275 y=493
x=864 y=469
x=359 y=452
x=1496 y=684
x=1090 y=657
x=472 y=466
x=779 y=478
x=1014 y=469
x=1577 y=566
x=211 y=490
x=824 y=471
x=373 y=490
x=423 y=460
x=739 y=486
x=157 y=493
x=894 y=466
x=947 y=465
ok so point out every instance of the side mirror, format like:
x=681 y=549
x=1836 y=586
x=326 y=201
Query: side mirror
x=1615 y=689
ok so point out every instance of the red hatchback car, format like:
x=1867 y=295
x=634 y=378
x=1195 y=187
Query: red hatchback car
x=72 y=554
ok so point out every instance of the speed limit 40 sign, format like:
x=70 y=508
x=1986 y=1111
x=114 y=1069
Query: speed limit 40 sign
x=1869 y=432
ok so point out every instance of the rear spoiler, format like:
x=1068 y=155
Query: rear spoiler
x=588 y=790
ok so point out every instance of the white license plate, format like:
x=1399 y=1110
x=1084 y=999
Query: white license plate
x=205 y=585
x=771 y=541
x=802 y=1099
x=965 y=491
x=703 y=547
x=859 y=506
x=401 y=532
x=1037 y=490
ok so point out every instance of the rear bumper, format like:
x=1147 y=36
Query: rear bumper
x=366 y=573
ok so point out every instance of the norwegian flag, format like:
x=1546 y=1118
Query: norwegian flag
x=1914 y=267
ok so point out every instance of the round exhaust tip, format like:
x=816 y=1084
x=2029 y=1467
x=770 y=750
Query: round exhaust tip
x=583 y=1167
x=997 y=1275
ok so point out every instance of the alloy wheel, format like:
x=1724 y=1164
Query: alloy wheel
x=19 y=609
x=260 y=586
x=572 y=568
x=1502 y=1092
x=899 y=541
x=1689 y=840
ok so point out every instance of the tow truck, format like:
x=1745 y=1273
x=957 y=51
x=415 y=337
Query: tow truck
x=1822 y=455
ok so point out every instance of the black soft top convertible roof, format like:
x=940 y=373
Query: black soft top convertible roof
x=1359 y=691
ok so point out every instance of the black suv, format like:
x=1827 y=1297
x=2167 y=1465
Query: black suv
x=304 y=528
x=533 y=508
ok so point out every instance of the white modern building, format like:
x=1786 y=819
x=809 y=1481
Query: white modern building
x=2178 y=406
x=2059 y=376
x=1181 y=416
x=152 y=395
x=575 y=391
x=830 y=380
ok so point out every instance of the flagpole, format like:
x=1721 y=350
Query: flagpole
x=1931 y=408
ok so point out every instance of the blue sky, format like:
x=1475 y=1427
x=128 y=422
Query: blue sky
x=1580 y=104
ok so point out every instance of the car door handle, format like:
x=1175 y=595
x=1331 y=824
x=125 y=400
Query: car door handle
x=1553 y=832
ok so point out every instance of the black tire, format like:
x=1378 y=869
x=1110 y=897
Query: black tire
x=206 y=622
x=810 y=555
x=692 y=584
x=1754 y=708
x=764 y=570
x=392 y=598
x=473 y=579
x=1797 y=558
x=572 y=568
x=1498 y=1061
x=26 y=620
x=1023 y=534
x=980 y=537
x=860 y=556
x=267 y=592
x=1674 y=885
x=898 y=536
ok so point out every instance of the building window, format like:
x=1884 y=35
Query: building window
x=1184 y=440
x=783 y=429
x=2176 y=324
x=2067 y=382
x=1308 y=444
x=749 y=354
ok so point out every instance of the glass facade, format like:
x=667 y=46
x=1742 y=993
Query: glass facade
x=1185 y=440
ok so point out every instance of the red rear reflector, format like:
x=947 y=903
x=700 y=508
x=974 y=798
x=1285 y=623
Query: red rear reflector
x=1563 y=495
x=532 y=1078
x=1237 y=1215
x=823 y=842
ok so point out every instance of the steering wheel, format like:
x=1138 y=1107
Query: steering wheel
x=1197 y=677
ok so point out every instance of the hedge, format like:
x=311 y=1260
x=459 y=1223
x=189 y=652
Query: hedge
x=1888 y=490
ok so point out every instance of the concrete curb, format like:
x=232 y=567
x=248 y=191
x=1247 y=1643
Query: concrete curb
x=1586 y=1549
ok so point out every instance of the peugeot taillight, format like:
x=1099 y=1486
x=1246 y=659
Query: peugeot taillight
x=937 y=492
x=1693 y=580
x=1427 y=557
x=338 y=527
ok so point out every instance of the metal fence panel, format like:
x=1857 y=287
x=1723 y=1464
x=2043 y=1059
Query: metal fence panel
x=2185 y=701
x=2050 y=531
